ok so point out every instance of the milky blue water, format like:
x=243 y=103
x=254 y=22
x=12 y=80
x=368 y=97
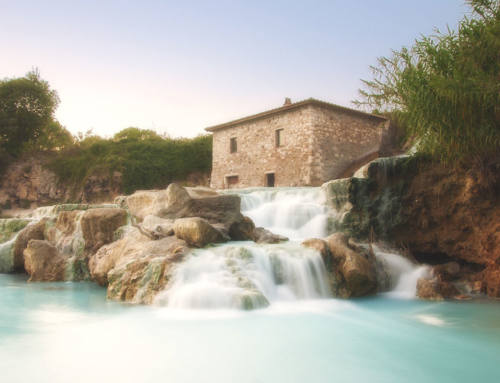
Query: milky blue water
x=68 y=332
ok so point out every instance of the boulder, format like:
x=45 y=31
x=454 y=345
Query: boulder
x=43 y=262
x=178 y=202
x=146 y=202
x=435 y=289
x=428 y=289
x=136 y=268
x=157 y=227
x=197 y=232
x=352 y=268
x=106 y=258
x=320 y=245
x=220 y=209
x=201 y=191
x=261 y=235
x=242 y=230
x=99 y=226
x=33 y=231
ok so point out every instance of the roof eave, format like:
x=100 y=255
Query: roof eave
x=286 y=108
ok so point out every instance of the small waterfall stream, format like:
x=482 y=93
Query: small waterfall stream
x=249 y=275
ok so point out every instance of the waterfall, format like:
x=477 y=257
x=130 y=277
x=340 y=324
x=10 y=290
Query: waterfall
x=297 y=213
x=404 y=274
x=248 y=275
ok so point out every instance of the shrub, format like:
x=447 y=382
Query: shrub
x=145 y=161
x=445 y=89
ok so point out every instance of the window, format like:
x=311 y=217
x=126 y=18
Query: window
x=278 y=139
x=233 y=147
x=231 y=181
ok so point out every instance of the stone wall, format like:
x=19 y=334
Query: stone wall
x=318 y=144
x=340 y=140
x=258 y=155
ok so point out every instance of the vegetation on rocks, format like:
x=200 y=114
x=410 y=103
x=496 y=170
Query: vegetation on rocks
x=145 y=159
x=445 y=89
x=140 y=159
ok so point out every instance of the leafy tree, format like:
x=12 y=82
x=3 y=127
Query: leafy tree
x=445 y=89
x=27 y=107
x=54 y=136
x=136 y=134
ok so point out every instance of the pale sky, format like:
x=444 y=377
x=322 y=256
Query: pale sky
x=180 y=66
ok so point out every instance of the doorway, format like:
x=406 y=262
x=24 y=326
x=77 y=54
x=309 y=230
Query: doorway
x=270 y=180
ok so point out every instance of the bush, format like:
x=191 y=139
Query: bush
x=146 y=161
x=446 y=88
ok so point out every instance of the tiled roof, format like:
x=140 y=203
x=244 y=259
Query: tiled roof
x=296 y=105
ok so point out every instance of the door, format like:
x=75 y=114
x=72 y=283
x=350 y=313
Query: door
x=270 y=180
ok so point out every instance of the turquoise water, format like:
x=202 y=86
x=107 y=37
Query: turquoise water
x=68 y=332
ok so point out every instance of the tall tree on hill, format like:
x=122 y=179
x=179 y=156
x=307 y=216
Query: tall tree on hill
x=27 y=107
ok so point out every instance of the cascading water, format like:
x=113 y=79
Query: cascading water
x=404 y=274
x=249 y=275
x=297 y=213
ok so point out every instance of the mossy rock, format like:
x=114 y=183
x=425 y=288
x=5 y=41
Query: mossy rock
x=10 y=226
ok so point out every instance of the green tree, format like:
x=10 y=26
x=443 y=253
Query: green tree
x=136 y=134
x=445 y=89
x=54 y=136
x=27 y=107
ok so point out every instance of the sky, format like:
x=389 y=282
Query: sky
x=179 y=66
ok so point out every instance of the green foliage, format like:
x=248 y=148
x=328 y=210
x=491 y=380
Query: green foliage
x=27 y=106
x=136 y=134
x=445 y=89
x=145 y=159
x=54 y=136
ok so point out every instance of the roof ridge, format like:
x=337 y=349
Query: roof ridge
x=295 y=105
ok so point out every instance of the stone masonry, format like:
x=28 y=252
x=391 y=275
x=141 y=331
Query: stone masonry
x=301 y=144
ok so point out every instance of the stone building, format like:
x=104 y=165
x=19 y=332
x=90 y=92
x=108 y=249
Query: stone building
x=299 y=144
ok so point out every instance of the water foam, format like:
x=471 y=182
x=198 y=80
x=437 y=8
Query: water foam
x=249 y=275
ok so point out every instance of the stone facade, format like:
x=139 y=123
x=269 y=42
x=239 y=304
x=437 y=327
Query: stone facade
x=301 y=144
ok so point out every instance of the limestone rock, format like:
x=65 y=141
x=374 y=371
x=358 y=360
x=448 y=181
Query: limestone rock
x=10 y=226
x=146 y=202
x=320 y=245
x=177 y=196
x=157 y=227
x=135 y=268
x=436 y=290
x=66 y=221
x=28 y=183
x=447 y=271
x=33 y=231
x=197 y=231
x=491 y=278
x=220 y=210
x=428 y=289
x=43 y=262
x=106 y=258
x=99 y=226
x=223 y=209
x=242 y=230
x=439 y=214
x=261 y=235
x=352 y=268
x=201 y=191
